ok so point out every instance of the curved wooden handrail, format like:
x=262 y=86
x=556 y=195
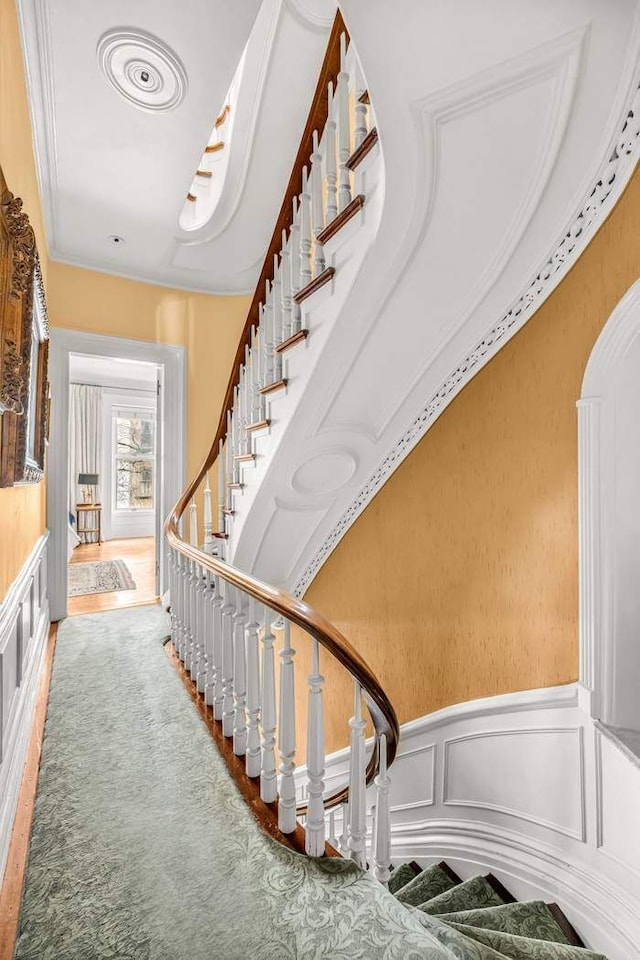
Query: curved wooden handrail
x=297 y=611
x=281 y=602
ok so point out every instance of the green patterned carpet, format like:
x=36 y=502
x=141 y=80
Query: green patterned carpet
x=142 y=848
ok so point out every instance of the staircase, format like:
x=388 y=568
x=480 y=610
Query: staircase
x=479 y=918
x=234 y=635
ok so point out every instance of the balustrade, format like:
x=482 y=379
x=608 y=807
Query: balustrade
x=227 y=628
x=223 y=631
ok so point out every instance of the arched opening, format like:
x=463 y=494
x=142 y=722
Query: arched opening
x=609 y=487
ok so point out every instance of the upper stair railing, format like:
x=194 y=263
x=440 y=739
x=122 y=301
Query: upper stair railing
x=226 y=624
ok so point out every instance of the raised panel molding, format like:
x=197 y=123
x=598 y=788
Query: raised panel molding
x=571 y=837
x=440 y=121
x=24 y=627
x=546 y=775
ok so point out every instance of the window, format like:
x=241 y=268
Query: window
x=134 y=459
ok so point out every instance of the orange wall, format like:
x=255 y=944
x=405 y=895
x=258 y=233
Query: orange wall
x=78 y=299
x=209 y=327
x=22 y=509
x=460 y=579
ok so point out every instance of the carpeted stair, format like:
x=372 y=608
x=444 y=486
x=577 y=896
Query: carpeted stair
x=478 y=919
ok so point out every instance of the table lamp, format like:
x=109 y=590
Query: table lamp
x=88 y=480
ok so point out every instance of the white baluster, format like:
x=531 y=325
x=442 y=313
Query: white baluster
x=357 y=782
x=220 y=486
x=268 y=774
x=269 y=342
x=344 y=835
x=208 y=517
x=229 y=460
x=382 y=819
x=331 y=832
x=193 y=524
x=218 y=687
x=235 y=431
x=276 y=318
x=228 y=709
x=294 y=259
x=314 y=841
x=254 y=366
x=285 y=287
x=198 y=667
x=344 y=140
x=182 y=634
x=253 y=692
x=317 y=212
x=246 y=382
x=189 y=594
x=287 y=737
x=331 y=163
x=239 y=678
x=360 y=128
x=305 y=232
x=209 y=601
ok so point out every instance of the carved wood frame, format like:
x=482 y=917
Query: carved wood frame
x=20 y=290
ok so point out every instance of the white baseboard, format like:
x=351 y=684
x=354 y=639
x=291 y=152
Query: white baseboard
x=527 y=786
x=24 y=628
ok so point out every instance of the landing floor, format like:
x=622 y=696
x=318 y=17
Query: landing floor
x=140 y=557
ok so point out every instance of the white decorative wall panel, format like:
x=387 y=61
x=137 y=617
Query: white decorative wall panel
x=618 y=825
x=526 y=786
x=531 y=774
x=24 y=627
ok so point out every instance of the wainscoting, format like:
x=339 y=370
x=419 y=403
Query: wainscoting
x=24 y=625
x=528 y=786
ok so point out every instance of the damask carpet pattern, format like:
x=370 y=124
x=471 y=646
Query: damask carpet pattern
x=142 y=848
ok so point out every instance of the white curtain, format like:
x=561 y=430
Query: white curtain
x=85 y=442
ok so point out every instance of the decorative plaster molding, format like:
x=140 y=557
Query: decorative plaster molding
x=606 y=189
x=143 y=69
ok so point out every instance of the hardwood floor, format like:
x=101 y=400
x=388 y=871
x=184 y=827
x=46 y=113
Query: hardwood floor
x=139 y=556
x=13 y=881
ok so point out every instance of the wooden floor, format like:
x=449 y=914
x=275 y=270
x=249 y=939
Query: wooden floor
x=139 y=556
x=11 y=890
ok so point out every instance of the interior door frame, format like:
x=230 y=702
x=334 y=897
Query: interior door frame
x=171 y=411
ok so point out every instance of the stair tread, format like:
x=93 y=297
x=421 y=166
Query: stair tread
x=471 y=894
x=531 y=918
x=431 y=882
x=516 y=947
x=401 y=875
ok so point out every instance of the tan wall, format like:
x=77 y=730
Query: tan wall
x=460 y=579
x=22 y=509
x=78 y=299
x=209 y=327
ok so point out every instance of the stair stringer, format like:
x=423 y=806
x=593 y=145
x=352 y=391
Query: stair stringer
x=389 y=347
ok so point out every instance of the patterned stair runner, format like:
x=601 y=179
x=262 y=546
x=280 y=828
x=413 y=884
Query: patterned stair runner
x=478 y=919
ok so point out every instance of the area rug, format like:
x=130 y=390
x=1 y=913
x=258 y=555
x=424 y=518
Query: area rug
x=99 y=576
x=142 y=847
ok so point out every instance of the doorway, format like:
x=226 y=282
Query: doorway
x=115 y=426
x=134 y=472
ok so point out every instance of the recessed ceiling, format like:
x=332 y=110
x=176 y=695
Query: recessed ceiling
x=123 y=100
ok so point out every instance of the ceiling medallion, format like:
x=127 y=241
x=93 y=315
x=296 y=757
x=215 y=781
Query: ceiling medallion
x=143 y=69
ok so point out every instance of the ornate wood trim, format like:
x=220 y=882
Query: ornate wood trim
x=365 y=147
x=21 y=292
x=291 y=341
x=338 y=222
